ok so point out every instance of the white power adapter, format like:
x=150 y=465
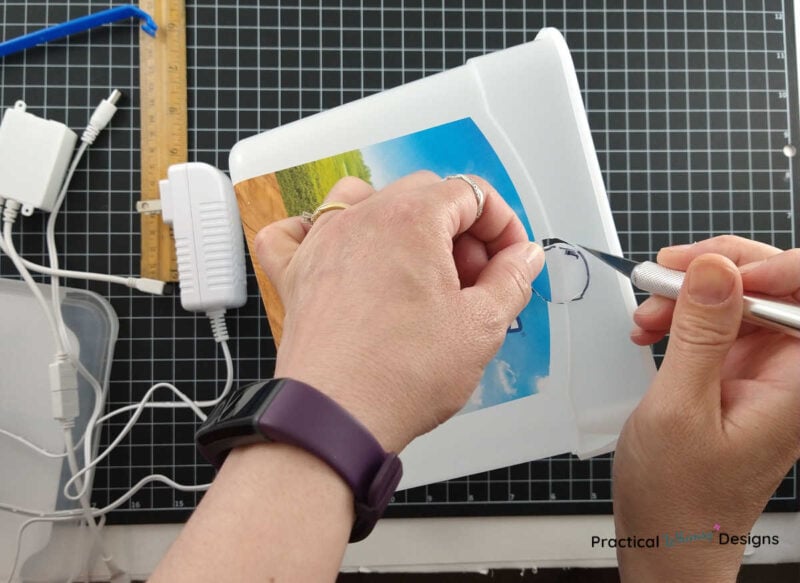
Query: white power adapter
x=198 y=201
x=34 y=155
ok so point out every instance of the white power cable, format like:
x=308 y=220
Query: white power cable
x=62 y=342
x=66 y=411
x=24 y=526
x=144 y=403
x=71 y=515
x=94 y=528
x=31 y=445
x=193 y=405
x=52 y=313
x=99 y=120
x=65 y=404
x=143 y=284
x=9 y=216
x=138 y=409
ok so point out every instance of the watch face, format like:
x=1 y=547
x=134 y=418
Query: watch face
x=235 y=420
x=245 y=402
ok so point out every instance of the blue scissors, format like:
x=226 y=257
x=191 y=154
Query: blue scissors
x=77 y=25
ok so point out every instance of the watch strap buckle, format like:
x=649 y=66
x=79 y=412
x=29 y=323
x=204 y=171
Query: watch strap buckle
x=380 y=492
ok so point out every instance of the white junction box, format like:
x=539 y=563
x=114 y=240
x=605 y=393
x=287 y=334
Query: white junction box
x=34 y=155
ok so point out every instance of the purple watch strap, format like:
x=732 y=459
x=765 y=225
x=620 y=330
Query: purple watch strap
x=299 y=411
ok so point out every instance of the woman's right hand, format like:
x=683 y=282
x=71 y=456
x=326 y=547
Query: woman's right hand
x=720 y=426
x=777 y=277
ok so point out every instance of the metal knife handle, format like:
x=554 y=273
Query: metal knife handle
x=773 y=314
x=769 y=313
x=657 y=279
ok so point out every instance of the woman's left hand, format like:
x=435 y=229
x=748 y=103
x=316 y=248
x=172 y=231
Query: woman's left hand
x=395 y=305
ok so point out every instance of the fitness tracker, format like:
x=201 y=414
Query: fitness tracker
x=288 y=411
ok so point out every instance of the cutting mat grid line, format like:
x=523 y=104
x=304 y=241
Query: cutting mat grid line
x=690 y=110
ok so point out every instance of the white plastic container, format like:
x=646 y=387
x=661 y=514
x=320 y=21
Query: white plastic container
x=526 y=103
x=49 y=551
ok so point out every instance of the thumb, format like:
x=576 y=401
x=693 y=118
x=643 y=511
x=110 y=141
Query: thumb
x=275 y=245
x=704 y=327
x=504 y=285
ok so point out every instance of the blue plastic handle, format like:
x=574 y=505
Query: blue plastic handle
x=81 y=24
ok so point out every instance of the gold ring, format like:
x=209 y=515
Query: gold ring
x=480 y=197
x=322 y=209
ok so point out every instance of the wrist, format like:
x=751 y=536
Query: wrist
x=352 y=395
x=658 y=565
x=682 y=554
x=251 y=466
x=289 y=411
x=270 y=492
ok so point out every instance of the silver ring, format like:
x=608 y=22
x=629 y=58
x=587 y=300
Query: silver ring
x=480 y=197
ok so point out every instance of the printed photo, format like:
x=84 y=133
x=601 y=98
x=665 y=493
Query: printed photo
x=522 y=365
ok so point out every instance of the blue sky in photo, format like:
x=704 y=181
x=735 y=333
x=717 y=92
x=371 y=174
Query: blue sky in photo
x=460 y=147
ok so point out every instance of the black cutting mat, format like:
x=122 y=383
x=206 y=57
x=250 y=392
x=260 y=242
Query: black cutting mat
x=690 y=109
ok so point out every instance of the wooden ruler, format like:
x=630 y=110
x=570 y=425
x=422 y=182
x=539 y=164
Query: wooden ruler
x=164 y=125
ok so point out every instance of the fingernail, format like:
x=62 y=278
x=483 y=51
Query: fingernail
x=751 y=266
x=710 y=283
x=675 y=248
x=531 y=253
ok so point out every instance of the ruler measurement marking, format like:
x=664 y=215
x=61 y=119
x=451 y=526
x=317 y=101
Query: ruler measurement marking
x=164 y=125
